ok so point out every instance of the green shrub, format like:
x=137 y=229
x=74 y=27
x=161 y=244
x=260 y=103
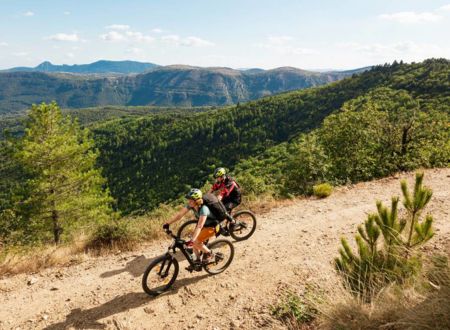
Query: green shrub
x=294 y=309
x=322 y=190
x=115 y=234
x=307 y=165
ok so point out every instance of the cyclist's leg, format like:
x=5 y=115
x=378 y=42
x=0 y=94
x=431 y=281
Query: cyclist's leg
x=205 y=233
x=230 y=204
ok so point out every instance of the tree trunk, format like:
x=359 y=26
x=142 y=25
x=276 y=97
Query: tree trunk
x=56 y=227
x=55 y=219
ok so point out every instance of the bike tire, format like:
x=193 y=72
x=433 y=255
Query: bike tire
x=152 y=291
x=215 y=246
x=235 y=232
x=185 y=227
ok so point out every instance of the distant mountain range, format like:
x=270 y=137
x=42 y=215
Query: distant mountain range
x=120 y=67
x=174 y=85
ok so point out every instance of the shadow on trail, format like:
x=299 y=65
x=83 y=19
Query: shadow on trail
x=137 y=266
x=89 y=318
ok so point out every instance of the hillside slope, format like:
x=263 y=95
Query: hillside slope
x=163 y=86
x=293 y=245
x=153 y=159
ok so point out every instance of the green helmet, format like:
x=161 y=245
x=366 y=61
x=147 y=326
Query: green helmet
x=220 y=171
x=194 y=194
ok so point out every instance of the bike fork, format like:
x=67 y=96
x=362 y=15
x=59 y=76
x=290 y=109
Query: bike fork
x=166 y=272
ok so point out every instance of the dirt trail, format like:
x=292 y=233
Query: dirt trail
x=292 y=245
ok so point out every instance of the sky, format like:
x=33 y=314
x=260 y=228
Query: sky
x=266 y=34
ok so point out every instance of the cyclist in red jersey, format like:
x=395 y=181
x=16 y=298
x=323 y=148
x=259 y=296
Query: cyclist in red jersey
x=229 y=190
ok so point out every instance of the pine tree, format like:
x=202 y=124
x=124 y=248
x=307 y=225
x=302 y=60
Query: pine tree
x=419 y=231
x=66 y=190
x=379 y=262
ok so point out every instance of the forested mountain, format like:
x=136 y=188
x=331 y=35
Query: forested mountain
x=122 y=67
x=163 y=86
x=14 y=124
x=154 y=159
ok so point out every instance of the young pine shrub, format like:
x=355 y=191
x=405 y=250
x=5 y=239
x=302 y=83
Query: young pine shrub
x=387 y=244
x=322 y=190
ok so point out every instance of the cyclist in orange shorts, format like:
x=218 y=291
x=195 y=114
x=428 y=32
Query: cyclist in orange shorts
x=206 y=225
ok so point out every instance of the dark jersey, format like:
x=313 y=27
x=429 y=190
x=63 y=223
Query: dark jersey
x=228 y=189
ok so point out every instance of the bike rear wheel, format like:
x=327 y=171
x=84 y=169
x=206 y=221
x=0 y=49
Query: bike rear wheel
x=187 y=229
x=245 y=225
x=224 y=253
x=160 y=275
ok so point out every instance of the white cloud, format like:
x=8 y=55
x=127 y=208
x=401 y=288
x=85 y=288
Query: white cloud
x=285 y=45
x=411 y=17
x=115 y=36
x=406 y=50
x=20 y=54
x=28 y=14
x=70 y=55
x=3 y=44
x=134 y=51
x=279 y=40
x=119 y=27
x=157 y=30
x=112 y=36
x=139 y=37
x=445 y=8
x=64 y=37
x=196 y=42
x=176 y=40
x=66 y=13
x=171 y=39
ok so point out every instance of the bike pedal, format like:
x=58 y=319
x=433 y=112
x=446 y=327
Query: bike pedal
x=189 y=269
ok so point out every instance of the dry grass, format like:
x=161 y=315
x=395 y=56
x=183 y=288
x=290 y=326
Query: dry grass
x=264 y=203
x=141 y=229
x=29 y=260
x=418 y=304
x=422 y=303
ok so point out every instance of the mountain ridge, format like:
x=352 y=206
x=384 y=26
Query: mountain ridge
x=176 y=85
x=100 y=66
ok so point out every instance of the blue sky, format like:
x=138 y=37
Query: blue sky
x=239 y=34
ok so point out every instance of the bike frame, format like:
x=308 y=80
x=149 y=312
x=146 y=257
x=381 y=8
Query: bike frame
x=180 y=244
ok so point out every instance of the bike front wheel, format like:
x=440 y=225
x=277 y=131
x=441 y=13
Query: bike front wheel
x=245 y=225
x=223 y=256
x=160 y=275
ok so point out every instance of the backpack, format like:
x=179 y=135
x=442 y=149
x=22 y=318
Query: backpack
x=237 y=192
x=215 y=206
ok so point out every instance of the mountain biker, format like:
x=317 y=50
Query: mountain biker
x=206 y=224
x=229 y=190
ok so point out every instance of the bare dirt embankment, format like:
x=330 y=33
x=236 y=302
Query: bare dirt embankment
x=292 y=245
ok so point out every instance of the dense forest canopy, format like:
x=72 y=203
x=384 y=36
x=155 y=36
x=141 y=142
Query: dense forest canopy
x=58 y=176
x=154 y=159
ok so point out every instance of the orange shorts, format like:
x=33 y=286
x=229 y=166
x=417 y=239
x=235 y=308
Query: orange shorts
x=205 y=233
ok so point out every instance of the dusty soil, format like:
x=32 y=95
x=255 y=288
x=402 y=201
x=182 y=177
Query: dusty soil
x=293 y=245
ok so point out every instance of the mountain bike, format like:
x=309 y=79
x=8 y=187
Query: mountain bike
x=242 y=229
x=162 y=272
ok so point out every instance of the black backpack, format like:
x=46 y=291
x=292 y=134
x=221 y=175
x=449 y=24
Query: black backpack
x=215 y=206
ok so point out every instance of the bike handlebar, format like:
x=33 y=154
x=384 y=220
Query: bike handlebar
x=169 y=232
